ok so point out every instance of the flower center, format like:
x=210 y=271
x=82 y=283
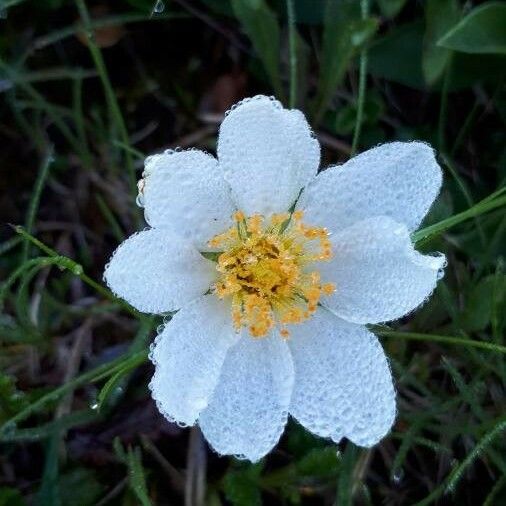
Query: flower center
x=265 y=268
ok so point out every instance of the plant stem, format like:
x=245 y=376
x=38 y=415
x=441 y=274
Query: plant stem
x=441 y=339
x=487 y=204
x=92 y=376
x=364 y=6
x=293 y=53
x=77 y=269
x=34 y=201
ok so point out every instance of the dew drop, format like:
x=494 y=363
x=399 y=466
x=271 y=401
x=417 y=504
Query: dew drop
x=398 y=476
x=5 y=84
x=77 y=269
x=94 y=405
x=140 y=200
x=9 y=428
x=159 y=7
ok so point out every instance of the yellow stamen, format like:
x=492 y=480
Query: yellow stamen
x=264 y=269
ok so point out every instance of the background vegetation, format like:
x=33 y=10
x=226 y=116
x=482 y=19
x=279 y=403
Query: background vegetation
x=87 y=89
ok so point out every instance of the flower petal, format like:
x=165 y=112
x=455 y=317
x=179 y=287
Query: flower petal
x=249 y=408
x=185 y=192
x=343 y=385
x=399 y=179
x=378 y=274
x=188 y=355
x=267 y=154
x=156 y=271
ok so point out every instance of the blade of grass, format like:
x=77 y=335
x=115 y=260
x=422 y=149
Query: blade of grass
x=457 y=472
x=458 y=341
x=114 y=109
x=116 y=230
x=484 y=206
x=466 y=193
x=77 y=269
x=262 y=27
x=49 y=74
x=35 y=199
x=92 y=376
x=49 y=492
x=137 y=479
x=81 y=417
x=105 y=22
x=498 y=485
x=46 y=106
x=10 y=244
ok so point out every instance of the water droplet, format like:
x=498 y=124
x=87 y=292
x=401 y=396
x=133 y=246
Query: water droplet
x=94 y=405
x=9 y=428
x=159 y=7
x=140 y=200
x=5 y=84
x=77 y=269
x=398 y=476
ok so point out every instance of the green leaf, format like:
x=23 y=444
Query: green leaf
x=440 y=15
x=49 y=492
x=11 y=497
x=398 y=56
x=80 y=487
x=343 y=35
x=113 y=382
x=480 y=301
x=347 y=116
x=241 y=485
x=390 y=8
x=261 y=26
x=483 y=30
x=319 y=463
x=137 y=479
x=11 y=399
x=345 y=479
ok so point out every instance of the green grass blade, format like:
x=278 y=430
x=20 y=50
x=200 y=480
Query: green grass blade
x=114 y=109
x=485 y=206
x=35 y=199
x=481 y=446
x=457 y=341
x=98 y=373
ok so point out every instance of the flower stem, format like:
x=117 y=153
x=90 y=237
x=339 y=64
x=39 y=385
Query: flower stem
x=293 y=53
x=364 y=7
x=441 y=339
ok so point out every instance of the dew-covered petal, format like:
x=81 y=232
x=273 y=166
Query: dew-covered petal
x=249 y=407
x=188 y=356
x=184 y=191
x=377 y=272
x=343 y=385
x=399 y=179
x=156 y=271
x=267 y=154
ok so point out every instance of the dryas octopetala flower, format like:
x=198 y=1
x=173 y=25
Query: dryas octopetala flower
x=273 y=322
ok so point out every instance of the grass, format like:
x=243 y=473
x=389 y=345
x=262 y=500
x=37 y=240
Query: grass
x=86 y=88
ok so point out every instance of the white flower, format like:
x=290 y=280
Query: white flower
x=277 y=325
